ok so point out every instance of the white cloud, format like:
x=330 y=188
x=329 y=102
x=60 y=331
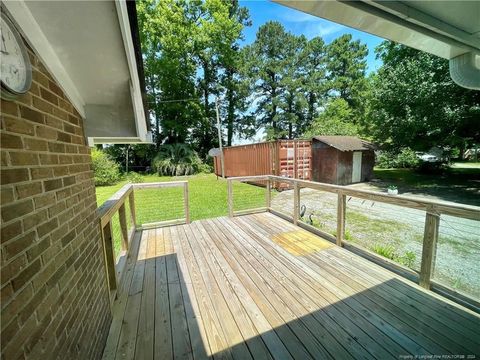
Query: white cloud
x=322 y=29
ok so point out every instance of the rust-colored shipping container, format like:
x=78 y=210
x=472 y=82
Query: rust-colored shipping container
x=289 y=158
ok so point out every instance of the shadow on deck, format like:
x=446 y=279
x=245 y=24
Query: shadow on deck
x=257 y=286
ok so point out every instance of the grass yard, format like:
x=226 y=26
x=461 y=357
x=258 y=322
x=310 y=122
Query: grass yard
x=460 y=183
x=207 y=199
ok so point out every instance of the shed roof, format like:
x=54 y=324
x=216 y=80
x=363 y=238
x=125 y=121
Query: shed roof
x=346 y=143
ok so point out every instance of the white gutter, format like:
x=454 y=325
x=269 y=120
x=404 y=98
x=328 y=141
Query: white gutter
x=465 y=70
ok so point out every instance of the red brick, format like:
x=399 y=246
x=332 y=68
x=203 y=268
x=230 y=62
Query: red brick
x=54 y=122
x=46 y=132
x=60 y=171
x=56 y=147
x=65 y=159
x=34 y=219
x=74 y=119
x=30 y=189
x=16 y=210
x=3 y=158
x=65 y=105
x=10 y=176
x=48 y=159
x=64 y=137
x=9 y=141
x=41 y=173
x=31 y=114
x=43 y=105
x=11 y=231
x=44 y=200
x=16 y=246
x=47 y=227
x=49 y=96
x=56 y=89
x=9 y=107
x=52 y=184
x=26 y=275
x=10 y=270
x=6 y=195
x=35 y=144
x=40 y=78
x=23 y=158
x=19 y=126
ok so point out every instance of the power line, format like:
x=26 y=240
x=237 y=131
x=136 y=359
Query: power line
x=171 y=101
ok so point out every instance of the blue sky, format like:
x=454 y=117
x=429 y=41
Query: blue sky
x=299 y=23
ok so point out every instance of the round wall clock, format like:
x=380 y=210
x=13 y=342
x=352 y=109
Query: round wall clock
x=16 y=70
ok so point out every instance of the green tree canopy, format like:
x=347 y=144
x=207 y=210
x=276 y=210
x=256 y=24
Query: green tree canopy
x=415 y=103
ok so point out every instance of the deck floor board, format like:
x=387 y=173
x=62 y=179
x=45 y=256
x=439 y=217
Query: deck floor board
x=256 y=286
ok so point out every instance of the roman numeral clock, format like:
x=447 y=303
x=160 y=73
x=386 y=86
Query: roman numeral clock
x=15 y=67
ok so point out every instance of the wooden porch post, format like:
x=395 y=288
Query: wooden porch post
x=109 y=256
x=268 y=196
x=131 y=203
x=296 y=202
x=186 y=203
x=230 y=197
x=122 y=216
x=341 y=207
x=430 y=237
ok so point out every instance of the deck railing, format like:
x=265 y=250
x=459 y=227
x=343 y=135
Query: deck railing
x=122 y=204
x=432 y=210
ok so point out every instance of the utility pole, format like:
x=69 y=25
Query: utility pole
x=220 y=139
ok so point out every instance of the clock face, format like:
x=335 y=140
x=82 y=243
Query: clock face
x=15 y=67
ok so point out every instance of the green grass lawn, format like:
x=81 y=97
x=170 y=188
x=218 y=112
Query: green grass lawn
x=207 y=199
x=459 y=183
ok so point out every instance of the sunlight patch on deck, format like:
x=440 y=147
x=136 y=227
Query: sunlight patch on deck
x=300 y=242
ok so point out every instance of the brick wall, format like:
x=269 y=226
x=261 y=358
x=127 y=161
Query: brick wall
x=54 y=297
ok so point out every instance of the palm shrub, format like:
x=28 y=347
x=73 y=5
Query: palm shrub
x=106 y=171
x=176 y=160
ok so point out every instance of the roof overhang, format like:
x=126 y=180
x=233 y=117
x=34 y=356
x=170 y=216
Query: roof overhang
x=92 y=51
x=449 y=29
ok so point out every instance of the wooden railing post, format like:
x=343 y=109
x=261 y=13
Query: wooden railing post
x=296 y=202
x=186 y=203
x=230 y=197
x=430 y=237
x=341 y=207
x=109 y=256
x=122 y=216
x=131 y=203
x=268 y=196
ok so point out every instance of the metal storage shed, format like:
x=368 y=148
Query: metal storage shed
x=289 y=158
x=342 y=160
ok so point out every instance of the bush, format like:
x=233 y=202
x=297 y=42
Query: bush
x=406 y=158
x=133 y=177
x=177 y=160
x=106 y=171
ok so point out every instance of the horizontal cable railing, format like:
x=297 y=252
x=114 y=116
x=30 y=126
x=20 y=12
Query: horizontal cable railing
x=160 y=204
x=419 y=239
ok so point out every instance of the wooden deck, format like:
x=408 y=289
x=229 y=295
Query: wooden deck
x=256 y=286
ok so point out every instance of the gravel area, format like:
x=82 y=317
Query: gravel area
x=379 y=226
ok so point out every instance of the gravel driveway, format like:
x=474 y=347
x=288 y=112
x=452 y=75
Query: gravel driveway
x=375 y=225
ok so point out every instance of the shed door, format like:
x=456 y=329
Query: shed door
x=357 y=167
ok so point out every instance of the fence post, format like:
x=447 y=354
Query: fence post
x=122 y=216
x=268 y=198
x=186 y=203
x=430 y=237
x=109 y=256
x=230 y=197
x=341 y=207
x=296 y=202
x=131 y=203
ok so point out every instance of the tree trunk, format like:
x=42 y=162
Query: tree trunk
x=231 y=107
